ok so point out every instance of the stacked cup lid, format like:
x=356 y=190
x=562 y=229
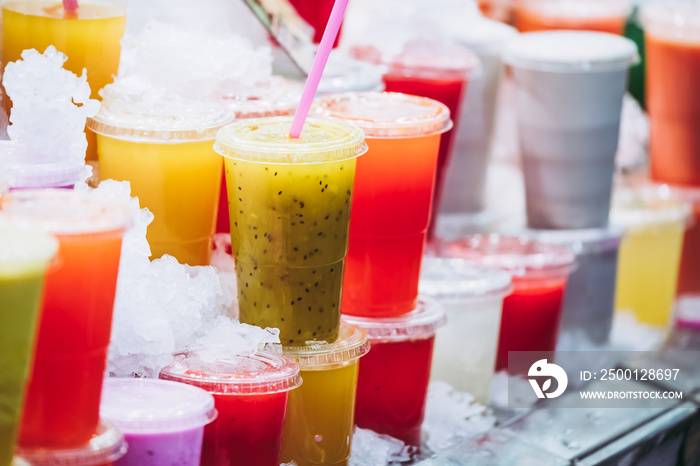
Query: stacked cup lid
x=647 y=207
x=351 y=344
x=27 y=169
x=584 y=241
x=275 y=96
x=455 y=278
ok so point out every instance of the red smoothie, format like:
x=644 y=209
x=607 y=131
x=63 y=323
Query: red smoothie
x=316 y=13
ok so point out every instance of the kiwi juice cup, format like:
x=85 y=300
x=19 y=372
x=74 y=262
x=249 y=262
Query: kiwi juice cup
x=289 y=204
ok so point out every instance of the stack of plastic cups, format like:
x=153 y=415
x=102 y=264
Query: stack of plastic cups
x=532 y=312
x=166 y=153
x=650 y=254
x=163 y=422
x=75 y=327
x=27 y=170
x=461 y=209
x=250 y=395
x=586 y=15
x=472 y=296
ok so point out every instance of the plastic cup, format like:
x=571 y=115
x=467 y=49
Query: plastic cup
x=585 y=15
x=589 y=300
x=532 y=312
x=162 y=421
x=75 y=324
x=250 y=395
x=166 y=154
x=465 y=174
x=672 y=32
x=319 y=423
x=24 y=258
x=568 y=88
x=392 y=198
x=392 y=386
x=344 y=74
x=650 y=253
x=290 y=205
x=28 y=170
x=105 y=447
x=465 y=349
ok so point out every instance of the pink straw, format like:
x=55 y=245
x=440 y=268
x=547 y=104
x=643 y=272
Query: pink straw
x=324 y=50
x=70 y=5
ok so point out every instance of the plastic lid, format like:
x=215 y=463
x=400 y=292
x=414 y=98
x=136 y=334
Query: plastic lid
x=648 y=206
x=107 y=445
x=519 y=255
x=585 y=241
x=275 y=96
x=672 y=19
x=267 y=140
x=259 y=373
x=387 y=114
x=454 y=278
x=482 y=35
x=344 y=74
x=23 y=250
x=351 y=344
x=155 y=406
x=571 y=51
x=26 y=169
x=64 y=212
x=164 y=121
x=420 y=323
x=431 y=58
x=578 y=9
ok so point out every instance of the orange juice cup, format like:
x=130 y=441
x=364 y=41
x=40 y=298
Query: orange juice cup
x=585 y=15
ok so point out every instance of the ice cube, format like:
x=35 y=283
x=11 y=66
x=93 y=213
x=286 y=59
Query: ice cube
x=372 y=449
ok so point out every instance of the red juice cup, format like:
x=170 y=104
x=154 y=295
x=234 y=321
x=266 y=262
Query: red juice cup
x=392 y=196
x=392 y=385
x=105 y=447
x=585 y=15
x=163 y=422
x=250 y=395
x=76 y=318
x=531 y=313
x=316 y=13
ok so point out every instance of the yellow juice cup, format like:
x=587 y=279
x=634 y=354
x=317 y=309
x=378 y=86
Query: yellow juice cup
x=320 y=413
x=166 y=153
x=650 y=252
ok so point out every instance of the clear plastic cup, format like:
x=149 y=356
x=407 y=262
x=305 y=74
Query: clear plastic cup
x=250 y=395
x=672 y=42
x=392 y=200
x=24 y=259
x=532 y=312
x=589 y=300
x=465 y=349
x=320 y=415
x=105 y=447
x=165 y=152
x=28 y=170
x=569 y=87
x=392 y=386
x=586 y=15
x=650 y=254
x=76 y=316
x=344 y=74
x=290 y=205
x=162 y=421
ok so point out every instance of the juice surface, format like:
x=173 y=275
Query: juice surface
x=247 y=430
x=648 y=272
x=528 y=20
x=289 y=235
x=179 y=183
x=390 y=215
x=74 y=331
x=319 y=423
x=392 y=388
x=90 y=40
x=531 y=316
x=673 y=102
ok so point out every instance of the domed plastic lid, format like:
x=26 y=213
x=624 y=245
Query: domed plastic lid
x=678 y=20
x=351 y=344
x=64 y=212
x=343 y=74
x=387 y=114
x=268 y=140
x=578 y=9
x=454 y=278
x=107 y=445
x=432 y=59
x=163 y=121
x=585 y=241
x=155 y=406
x=647 y=207
x=275 y=96
x=519 y=255
x=571 y=51
x=24 y=250
x=420 y=323
x=258 y=373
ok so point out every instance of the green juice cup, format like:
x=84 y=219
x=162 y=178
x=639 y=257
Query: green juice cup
x=24 y=258
x=289 y=204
